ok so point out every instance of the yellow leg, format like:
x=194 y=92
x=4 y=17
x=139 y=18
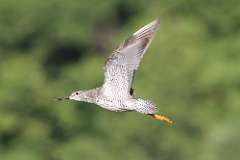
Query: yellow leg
x=161 y=118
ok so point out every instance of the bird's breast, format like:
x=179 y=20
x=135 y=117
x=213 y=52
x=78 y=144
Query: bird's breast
x=110 y=104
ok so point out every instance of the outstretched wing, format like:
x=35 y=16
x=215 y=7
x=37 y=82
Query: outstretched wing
x=121 y=66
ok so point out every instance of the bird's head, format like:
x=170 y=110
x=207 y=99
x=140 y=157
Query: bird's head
x=77 y=95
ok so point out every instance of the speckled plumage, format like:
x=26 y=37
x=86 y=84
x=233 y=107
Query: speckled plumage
x=116 y=93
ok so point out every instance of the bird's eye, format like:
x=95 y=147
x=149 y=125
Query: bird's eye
x=76 y=93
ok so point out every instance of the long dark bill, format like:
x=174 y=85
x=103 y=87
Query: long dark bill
x=62 y=98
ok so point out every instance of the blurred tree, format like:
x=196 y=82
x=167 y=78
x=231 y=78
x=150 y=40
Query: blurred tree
x=48 y=49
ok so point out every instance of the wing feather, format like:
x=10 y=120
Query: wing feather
x=121 y=66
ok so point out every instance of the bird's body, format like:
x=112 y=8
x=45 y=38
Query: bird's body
x=116 y=93
x=116 y=104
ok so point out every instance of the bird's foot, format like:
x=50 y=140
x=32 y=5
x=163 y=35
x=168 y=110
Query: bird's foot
x=161 y=118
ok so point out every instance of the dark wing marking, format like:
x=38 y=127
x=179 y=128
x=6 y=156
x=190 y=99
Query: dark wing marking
x=131 y=91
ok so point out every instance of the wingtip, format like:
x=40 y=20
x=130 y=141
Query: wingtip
x=156 y=22
x=150 y=27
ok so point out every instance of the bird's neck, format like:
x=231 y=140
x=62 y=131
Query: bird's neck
x=88 y=99
x=89 y=95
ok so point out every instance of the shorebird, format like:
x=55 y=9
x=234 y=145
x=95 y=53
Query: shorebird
x=116 y=93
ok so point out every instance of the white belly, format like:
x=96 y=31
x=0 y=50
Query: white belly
x=111 y=104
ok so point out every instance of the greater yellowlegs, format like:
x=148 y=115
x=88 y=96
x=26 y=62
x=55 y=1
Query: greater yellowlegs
x=116 y=93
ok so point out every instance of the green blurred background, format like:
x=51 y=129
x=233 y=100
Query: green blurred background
x=192 y=71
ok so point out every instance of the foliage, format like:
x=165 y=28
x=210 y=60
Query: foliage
x=49 y=49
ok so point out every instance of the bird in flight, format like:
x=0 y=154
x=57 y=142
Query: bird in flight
x=116 y=93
